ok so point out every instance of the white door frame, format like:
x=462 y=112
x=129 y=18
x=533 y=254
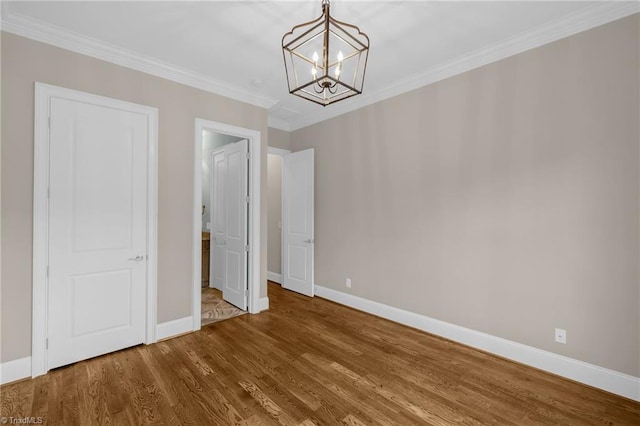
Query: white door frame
x=43 y=95
x=253 y=277
x=280 y=153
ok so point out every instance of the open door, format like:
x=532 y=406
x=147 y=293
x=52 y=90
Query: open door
x=297 y=217
x=230 y=200
x=217 y=220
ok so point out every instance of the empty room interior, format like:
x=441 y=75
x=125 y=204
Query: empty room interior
x=320 y=212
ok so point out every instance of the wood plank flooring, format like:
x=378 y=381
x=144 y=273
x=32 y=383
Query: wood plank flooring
x=306 y=362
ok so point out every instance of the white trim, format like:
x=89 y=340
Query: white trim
x=278 y=151
x=34 y=29
x=263 y=304
x=40 y=233
x=599 y=14
x=278 y=123
x=593 y=375
x=152 y=228
x=254 y=138
x=17 y=369
x=276 y=278
x=168 y=329
x=43 y=94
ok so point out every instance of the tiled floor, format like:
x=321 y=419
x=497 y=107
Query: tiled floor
x=215 y=309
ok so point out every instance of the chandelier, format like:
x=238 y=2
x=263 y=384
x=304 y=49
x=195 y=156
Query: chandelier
x=325 y=59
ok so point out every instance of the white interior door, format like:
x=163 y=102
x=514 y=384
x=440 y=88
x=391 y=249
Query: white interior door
x=234 y=290
x=218 y=221
x=229 y=216
x=297 y=218
x=97 y=230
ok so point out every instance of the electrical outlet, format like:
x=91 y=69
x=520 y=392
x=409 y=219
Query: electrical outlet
x=561 y=335
x=348 y=283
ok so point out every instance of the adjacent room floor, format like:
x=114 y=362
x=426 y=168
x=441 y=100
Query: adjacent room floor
x=215 y=309
x=308 y=361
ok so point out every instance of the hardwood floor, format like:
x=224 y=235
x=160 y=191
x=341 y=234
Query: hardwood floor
x=305 y=362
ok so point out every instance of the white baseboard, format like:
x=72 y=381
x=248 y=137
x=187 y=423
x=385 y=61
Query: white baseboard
x=169 y=329
x=276 y=278
x=17 y=369
x=263 y=304
x=593 y=375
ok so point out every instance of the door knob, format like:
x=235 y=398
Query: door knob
x=138 y=258
x=310 y=241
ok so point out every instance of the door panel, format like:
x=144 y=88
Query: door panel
x=218 y=221
x=298 y=262
x=97 y=208
x=102 y=300
x=235 y=285
x=101 y=186
x=298 y=242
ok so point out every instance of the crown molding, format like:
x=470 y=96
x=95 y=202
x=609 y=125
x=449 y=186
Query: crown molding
x=278 y=123
x=592 y=17
x=597 y=15
x=24 y=26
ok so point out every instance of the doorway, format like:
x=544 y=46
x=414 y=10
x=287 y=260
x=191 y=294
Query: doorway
x=217 y=138
x=290 y=240
x=225 y=225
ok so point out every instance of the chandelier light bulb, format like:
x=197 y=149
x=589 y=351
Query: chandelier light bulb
x=315 y=57
x=340 y=56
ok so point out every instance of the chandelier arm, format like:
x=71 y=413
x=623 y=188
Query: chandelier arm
x=293 y=65
x=325 y=43
x=357 y=50
x=301 y=56
x=338 y=24
x=313 y=21
x=318 y=23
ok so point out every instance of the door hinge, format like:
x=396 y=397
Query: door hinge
x=246 y=248
x=246 y=199
x=46 y=343
x=248 y=155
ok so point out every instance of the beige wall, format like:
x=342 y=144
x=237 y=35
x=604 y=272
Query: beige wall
x=504 y=199
x=274 y=213
x=25 y=62
x=279 y=138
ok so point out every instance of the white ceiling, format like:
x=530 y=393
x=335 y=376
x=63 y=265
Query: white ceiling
x=234 y=47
